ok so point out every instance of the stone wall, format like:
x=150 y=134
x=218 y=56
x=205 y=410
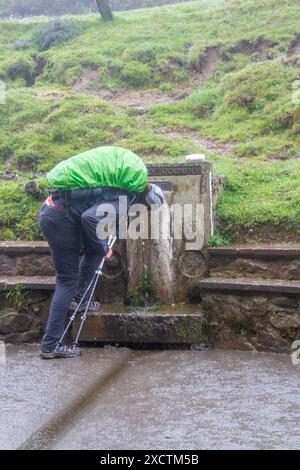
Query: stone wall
x=26 y=323
x=22 y=264
x=249 y=296
x=244 y=321
x=285 y=268
x=251 y=321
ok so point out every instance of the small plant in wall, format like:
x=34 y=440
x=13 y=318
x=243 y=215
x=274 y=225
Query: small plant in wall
x=19 y=297
x=145 y=294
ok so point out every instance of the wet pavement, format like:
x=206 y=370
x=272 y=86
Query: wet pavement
x=115 y=398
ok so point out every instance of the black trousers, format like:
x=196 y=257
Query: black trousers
x=65 y=234
x=73 y=273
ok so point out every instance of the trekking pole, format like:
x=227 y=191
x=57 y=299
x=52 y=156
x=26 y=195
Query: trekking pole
x=99 y=272
x=93 y=283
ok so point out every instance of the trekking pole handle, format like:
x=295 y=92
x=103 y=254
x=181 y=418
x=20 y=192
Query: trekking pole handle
x=111 y=241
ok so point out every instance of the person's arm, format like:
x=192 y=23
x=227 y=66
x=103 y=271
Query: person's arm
x=97 y=224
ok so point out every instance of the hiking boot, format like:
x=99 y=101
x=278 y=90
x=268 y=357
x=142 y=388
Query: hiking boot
x=94 y=307
x=61 y=352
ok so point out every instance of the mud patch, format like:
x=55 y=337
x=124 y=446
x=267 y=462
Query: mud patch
x=211 y=60
x=49 y=94
x=281 y=157
x=261 y=48
x=248 y=47
x=142 y=100
x=263 y=233
x=294 y=48
x=203 y=64
x=286 y=152
x=211 y=146
x=89 y=82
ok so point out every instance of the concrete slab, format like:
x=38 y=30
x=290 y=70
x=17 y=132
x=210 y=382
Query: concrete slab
x=28 y=282
x=182 y=324
x=244 y=284
x=270 y=250
x=33 y=391
x=120 y=399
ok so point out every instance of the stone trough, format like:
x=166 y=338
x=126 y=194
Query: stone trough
x=181 y=325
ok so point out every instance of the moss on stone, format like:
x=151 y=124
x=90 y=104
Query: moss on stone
x=145 y=293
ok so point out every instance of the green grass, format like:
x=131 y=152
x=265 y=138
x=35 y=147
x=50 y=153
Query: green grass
x=260 y=192
x=41 y=126
x=249 y=101
x=253 y=105
x=18 y=212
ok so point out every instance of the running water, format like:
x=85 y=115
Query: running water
x=161 y=257
x=153 y=253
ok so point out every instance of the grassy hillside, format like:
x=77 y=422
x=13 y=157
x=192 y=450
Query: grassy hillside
x=218 y=76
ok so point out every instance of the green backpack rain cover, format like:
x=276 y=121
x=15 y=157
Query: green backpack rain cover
x=112 y=167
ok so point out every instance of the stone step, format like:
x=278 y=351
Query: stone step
x=276 y=286
x=269 y=250
x=257 y=261
x=180 y=325
x=28 y=282
x=22 y=247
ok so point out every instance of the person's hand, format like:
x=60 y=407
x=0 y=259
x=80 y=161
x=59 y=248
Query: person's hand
x=109 y=255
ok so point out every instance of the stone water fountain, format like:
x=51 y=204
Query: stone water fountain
x=176 y=259
x=173 y=261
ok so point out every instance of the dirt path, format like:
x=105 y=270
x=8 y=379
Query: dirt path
x=141 y=101
x=90 y=83
x=198 y=140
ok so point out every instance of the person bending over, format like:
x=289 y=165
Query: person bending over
x=70 y=221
